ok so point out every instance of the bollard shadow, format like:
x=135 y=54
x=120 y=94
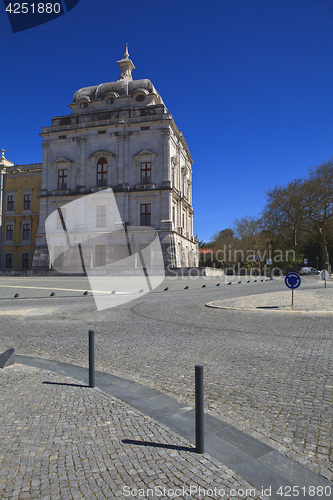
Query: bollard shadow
x=159 y=445
x=267 y=307
x=66 y=384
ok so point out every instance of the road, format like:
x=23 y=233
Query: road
x=267 y=373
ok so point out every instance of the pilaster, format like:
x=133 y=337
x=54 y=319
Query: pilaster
x=166 y=165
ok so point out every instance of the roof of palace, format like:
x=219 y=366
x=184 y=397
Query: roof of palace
x=124 y=86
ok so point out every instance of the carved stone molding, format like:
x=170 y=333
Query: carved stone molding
x=101 y=152
x=174 y=161
x=61 y=161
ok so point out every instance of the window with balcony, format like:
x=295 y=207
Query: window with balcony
x=145 y=172
x=145 y=164
x=145 y=214
x=102 y=172
x=62 y=179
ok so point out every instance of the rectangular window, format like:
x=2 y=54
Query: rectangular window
x=27 y=202
x=62 y=179
x=143 y=256
x=101 y=216
x=101 y=174
x=145 y=214
x=9 y=232
x=101 y=132
x=10 y=202
x=61 y=218
x=145 y=175
x=26 y=260
x=99 y=255
x=9 y=261
x=26 y=232
x=58 y=259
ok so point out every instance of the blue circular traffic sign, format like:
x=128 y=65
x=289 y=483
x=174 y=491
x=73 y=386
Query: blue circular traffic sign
x=292 y=280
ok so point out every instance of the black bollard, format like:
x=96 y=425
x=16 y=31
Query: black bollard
x=199 y=409
x=91 y=358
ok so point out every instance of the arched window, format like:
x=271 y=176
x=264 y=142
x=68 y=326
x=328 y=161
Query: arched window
x=102 y=172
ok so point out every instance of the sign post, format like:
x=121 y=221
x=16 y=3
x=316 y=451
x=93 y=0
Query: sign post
x=269 y=263
x=292 y=280
x=324 y=276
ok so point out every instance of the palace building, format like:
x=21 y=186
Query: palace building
x=120 y=135
x=19 y=213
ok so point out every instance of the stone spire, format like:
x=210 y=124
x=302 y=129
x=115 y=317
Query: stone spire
x=126 y=66
x=3 y=161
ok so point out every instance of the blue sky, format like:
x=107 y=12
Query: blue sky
x=248 y=82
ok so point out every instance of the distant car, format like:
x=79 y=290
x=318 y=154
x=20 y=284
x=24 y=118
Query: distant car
x=309 y=270
x=230 y=272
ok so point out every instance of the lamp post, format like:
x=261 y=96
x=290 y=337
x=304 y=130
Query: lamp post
x=317 y=262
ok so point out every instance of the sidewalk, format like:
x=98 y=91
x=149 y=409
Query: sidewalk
x=319 y=301
x=63 y=440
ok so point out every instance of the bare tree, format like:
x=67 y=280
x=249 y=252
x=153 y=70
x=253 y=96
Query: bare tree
x=249 y=231
x=285 y=209
x=303 y=206
x=318 y=197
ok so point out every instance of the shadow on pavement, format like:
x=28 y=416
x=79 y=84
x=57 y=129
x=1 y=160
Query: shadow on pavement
x=64 y=383
x=158 y=445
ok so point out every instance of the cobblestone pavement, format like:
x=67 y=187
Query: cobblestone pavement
x=267 y=373
x=318 y=301
x=61 y=440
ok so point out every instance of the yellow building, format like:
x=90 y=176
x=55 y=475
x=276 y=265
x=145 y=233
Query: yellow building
x=20 y=214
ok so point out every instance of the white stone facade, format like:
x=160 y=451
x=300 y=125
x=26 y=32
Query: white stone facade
x=121 y=135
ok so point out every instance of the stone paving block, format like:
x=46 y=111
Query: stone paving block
x=86 y=430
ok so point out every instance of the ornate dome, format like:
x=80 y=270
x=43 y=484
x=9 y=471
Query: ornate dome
x=120 y=87
x=125 y=86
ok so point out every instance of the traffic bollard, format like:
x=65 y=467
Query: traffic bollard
x=199 y=409
x=91 y=358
